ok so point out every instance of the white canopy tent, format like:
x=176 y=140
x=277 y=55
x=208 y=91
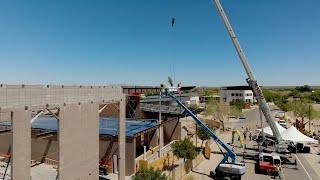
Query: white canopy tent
x=290 y=134
x=293 y=134
x=267 y=130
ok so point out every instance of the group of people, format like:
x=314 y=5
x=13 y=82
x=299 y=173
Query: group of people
x=247 y=132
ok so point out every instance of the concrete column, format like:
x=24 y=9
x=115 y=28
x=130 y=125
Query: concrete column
x=122 y=138
x=138 y=146
x=146 y=140
x=161 y=138
x=79 y=141
x=154 y=138
x=21 y=144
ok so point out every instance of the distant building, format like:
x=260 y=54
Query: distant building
x=228 y=94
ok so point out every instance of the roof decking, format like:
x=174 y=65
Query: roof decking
x=107 y=126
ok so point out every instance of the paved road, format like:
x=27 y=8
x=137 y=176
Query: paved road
x=302 y=171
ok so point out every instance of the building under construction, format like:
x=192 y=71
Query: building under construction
x=141 y=132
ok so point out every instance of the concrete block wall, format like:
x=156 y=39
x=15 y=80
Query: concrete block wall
x=171 y=131
x=109 y=147
x=79 y=113
x=79 y=141
x=21 y=144
x=17 y=96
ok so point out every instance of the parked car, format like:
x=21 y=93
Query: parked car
x=283 y=123
x=277 y=116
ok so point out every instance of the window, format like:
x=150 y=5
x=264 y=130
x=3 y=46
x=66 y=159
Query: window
x=240 y=95
x=237 y=94
x=232 y=94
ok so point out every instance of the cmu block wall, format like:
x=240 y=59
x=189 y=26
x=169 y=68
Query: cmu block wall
x=172 y=131
x=17 y=96
x=108 y=146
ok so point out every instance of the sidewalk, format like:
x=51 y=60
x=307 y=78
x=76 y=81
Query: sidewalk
x=202 y=171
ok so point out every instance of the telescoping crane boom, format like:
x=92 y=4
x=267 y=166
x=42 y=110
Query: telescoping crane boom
x=234 y=169
x=281 y=144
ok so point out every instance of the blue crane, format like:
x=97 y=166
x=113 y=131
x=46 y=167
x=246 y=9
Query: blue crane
x=234 y=169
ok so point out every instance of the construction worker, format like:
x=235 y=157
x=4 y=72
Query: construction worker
x=277 y=172
x=245 y=135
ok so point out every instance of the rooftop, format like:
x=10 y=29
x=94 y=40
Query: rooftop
x=108 y=126
x=237 y=88
x=155 y=98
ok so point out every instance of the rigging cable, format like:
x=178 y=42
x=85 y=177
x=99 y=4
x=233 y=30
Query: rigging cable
x=172 y=48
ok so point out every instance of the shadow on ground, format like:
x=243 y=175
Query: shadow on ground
x=102 y=178
x=200 y=173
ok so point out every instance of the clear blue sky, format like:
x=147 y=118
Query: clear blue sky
x=109 y=42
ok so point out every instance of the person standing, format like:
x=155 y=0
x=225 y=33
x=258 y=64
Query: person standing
x=277 y=172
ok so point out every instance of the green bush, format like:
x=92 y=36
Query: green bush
x=239 y=104
x=149 y=174
x=185 y=149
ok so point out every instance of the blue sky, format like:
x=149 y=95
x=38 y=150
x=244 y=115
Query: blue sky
x=110 y=42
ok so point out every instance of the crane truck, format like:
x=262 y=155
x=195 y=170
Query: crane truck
x=280 y=144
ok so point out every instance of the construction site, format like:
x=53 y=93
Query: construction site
x=167 y=131
x=45 y=142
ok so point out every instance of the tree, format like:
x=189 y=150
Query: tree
x=210 y=92
x=202 y=134
x=184 y=149
x=301 y=109
x=282 y=103
x=239 y=104
x=304 y=88
x=270 y=96
x=149 y=173
x=315 y=96
x=294 y=93
x=221 y=111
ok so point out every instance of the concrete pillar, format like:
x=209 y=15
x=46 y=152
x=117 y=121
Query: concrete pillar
x=122 y=138
x=154 y=138
x=161 y=138
x=21 y=144
x=79 y=141
x=146 y=139
x=139 y=146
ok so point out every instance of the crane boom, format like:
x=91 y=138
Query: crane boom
x=230 y=153
x=251 y=79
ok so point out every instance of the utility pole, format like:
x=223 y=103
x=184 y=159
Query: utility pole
x=261 y=122
x=196 y=130
x=160 y=127
x=122 y=138
x=309 y=116
x=260 y=144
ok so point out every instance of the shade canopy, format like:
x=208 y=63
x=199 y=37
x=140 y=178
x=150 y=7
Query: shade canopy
x=293 y=134
x=290 y=134
x=267 y=130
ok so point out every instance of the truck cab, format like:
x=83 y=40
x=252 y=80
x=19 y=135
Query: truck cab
x=267 y=162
